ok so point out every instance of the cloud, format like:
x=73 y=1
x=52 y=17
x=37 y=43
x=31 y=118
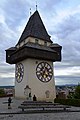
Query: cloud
x=67 y=71
x=63 y=80
x=6 y=70
x=7 y=74
x=6 y=81
x=69 y=26
x=67 y=33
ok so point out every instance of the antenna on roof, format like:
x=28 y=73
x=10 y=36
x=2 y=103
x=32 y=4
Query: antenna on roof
x=30 y=11
x=36 y=5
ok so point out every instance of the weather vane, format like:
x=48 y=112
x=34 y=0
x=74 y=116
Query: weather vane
x=36 y=5
x=30 y=11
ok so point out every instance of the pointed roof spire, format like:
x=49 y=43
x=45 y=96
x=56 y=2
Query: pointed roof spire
x=35 y=28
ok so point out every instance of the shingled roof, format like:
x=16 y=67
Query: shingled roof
x=35 y=28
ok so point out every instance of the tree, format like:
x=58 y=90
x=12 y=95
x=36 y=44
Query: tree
x=2 y=92
x=77 y=92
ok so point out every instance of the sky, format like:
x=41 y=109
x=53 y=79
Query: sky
x=62 y=21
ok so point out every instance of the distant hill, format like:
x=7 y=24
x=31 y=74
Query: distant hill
x=67 y=85
x=7 y=87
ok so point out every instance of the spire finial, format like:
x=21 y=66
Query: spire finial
x=30 y=11
x=36 y=5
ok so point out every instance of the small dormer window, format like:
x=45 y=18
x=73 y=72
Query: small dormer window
x=18 y=46
x=8 y=56
x=45 y=43
x=36 y=41
x=24 y=42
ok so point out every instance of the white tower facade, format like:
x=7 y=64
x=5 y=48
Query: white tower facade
x=43 y=87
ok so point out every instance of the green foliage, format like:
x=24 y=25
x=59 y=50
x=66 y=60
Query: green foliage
x=77 y=92
x=73 y=98
x=71 y=102
x=70 y=96
x=2 y=92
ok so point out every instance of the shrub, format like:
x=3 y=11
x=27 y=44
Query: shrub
x=71 y=102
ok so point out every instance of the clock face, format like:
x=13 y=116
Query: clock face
x=44 y=72
x=19 y=72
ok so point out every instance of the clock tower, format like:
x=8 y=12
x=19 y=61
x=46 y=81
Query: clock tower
x=33 y=57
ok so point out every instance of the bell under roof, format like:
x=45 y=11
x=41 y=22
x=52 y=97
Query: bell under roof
x=35 y=28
